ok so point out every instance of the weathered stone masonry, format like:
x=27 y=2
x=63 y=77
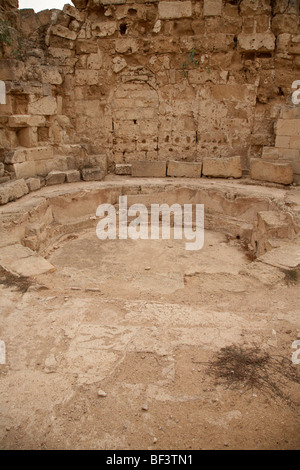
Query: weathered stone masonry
x=107 y=85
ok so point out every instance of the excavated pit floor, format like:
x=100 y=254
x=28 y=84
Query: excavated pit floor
x=140 y=320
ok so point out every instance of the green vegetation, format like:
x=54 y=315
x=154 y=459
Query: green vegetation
x=5 y=33
x=191 y=60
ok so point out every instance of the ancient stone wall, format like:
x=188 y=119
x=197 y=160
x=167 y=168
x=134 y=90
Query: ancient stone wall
x=160 y=81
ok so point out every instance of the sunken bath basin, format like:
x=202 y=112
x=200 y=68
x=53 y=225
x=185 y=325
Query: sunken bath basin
x=113 y=344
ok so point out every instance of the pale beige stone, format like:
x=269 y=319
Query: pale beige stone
x=287 y=257
x=123 y=169
x=173 y=10
x=86 y=77
x=149 y=169
x=262 y=42
x=73 y=12
x=45 y=106
x=102 y=29
x=288 y=127
x=12 y=190
x=26 y=121
x=212 y=7
x=184 y=169
x=282 y=141
x=50 y=75
x=222 y=167
x=72 y=176
x=119 y=64
x=294 y=142
x=34 y=184
x=93 y=174
x=63 y=32
x=29 y=154
x=289 y=154
x=55 y=177
x=32 y=168
x=273 y=172
x=270 y=153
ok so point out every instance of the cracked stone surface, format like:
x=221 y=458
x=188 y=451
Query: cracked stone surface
x=139 y=320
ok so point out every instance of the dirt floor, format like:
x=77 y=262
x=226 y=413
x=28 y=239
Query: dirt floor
x=121 y=348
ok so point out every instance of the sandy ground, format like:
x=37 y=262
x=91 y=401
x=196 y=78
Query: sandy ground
x=115 y=351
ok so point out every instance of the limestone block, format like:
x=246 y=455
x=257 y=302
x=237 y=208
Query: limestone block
x=123 y=169
x=11 y=69
x=20 y=260
x=288 y=154
x=50 y=75
x=294 y=46
x=297 y=180
x=59 y=52
x=173 y=10
x=286 y=256
x=63 y=32
x=102 y=29
x=282 y=43
x=270 y=153
x=272 y=224
x=237 y=92
x=8 y=139
x=296 y=167
x=26 y=120
x=12 y=190
x=15 y=156
x=55 y=177
x=128 y=44
x=157 y=27
x=263 y=42
x=80 y=4
x=44 y=17
x=230 y=167
x=184 y=169
x=44 y=167
x=86 y=77
x=34 y=184
x=1 y=169
x=45 y=106
x=282 y=141
x=97 y=161
x=273 y=172
x=29 y=154
x=23 y=169
x=73 y=12
x=149 y=169
x=212 y=7
x=290 y=112
x=86 y=47
x=288 y=127
x=32 y=168
x=119 y=64
x=4 y=179
x=94 y=61
x=39 y=153
x=72 y=176
x=285 y=23
x=294 y=142
x=93 y=174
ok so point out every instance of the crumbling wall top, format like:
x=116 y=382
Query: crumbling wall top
x=7 y=5
x=93 y=4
